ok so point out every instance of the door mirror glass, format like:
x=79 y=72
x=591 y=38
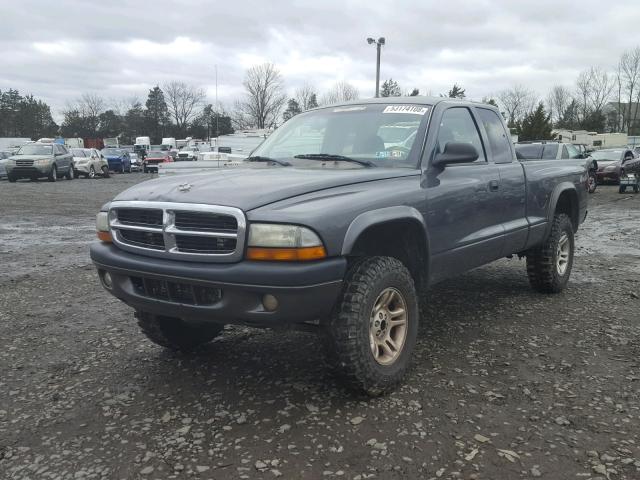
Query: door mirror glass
x=456 y=153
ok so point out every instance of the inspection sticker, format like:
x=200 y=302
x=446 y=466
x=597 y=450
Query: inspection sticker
x=412 y=109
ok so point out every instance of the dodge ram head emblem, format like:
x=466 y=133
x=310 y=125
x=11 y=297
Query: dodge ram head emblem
x=185 y=187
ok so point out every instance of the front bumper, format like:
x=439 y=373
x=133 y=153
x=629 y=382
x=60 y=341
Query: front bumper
x=304 y=291
x=81 y=167
x=607 y=176
x=29 y=171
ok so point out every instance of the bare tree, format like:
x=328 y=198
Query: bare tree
x=264 y=98
x=517 y=101
x=183 y=102
x=340 y=92
x=628 y=78
x=306 y=97
x=558 y=100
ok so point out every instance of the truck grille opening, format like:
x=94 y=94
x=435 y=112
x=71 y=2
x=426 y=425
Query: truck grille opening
x=176 y=292
x=182 y=231
x=140 y=216
x=206 y=222
x=193 y=244
x=143 y=239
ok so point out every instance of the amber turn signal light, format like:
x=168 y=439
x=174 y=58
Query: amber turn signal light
x=104 y=236
x=286 y=254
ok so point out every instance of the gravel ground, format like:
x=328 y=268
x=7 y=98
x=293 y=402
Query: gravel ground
x=506 y=383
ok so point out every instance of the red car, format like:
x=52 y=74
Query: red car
x=154 y=157
x=613 y=163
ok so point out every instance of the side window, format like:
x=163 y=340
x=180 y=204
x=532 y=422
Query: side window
x=573 y=151
x=458 y=126
x=499 y=141
x=565 y=152
x=550 y=151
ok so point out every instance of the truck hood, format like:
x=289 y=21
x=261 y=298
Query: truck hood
x=249 y=188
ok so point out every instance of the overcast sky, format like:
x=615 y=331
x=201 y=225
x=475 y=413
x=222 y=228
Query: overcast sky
x=119 y=49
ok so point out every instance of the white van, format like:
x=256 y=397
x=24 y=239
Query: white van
x=143 y=144
x=168 y=144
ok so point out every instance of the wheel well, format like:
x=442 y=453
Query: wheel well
x=403 y=239
x=568 y=204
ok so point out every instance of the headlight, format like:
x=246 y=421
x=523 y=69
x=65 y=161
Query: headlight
x=102 y=226
x=283 y=243
x=42 y=161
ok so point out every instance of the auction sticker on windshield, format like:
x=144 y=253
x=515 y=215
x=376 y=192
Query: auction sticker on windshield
x=411 y=109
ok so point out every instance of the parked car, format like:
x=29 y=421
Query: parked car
x=39 y=159
x=136 y=162
x=613 y=163
x=119 y=159
x=545 y=150
x=155 y=157
x=89 y=162
x=343 y=240
x=4 y=155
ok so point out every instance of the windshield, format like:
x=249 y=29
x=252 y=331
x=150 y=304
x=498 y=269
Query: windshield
x=156 y=153
x=112 y=152
x=607 y=154
x=381 y=134
x=34 y=149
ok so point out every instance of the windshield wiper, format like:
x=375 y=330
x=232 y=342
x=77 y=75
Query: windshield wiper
x=258 y=158
x=337 y=158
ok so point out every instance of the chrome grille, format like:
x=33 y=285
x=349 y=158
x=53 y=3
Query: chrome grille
x=24 y=163
x=185 y=231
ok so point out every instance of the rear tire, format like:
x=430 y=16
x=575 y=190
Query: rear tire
x=53 y=174
x=622 y=188
x=174 y=333
x=549 y=264
x=70 y=174
x=368 y=344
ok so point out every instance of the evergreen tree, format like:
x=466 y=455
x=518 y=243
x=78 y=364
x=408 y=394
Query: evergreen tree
x=157 y=114
x=414 y=93
x=390 y=88
x=214 y=123
x=456 y=92
x=292 y=110
x=569 y=119
x=134 y=123
x=490 y=101
x=535 y=125
x=313 y=102
x=110 y=124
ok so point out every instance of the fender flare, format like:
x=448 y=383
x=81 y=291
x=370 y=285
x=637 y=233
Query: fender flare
x=376 y=217
x=553 y=202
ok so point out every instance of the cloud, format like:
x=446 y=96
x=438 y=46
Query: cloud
x=121 y=49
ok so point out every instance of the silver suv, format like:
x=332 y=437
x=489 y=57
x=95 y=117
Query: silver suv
x=37 y=160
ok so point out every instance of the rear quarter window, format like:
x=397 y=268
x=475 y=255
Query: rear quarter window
x=499 y=141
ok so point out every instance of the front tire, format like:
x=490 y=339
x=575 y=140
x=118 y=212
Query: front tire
x=105 y=171
x=69 y=175
x=549 y=265
x=53 y=174
x=374 y=328
x=92 y=172
x=593 y=184
x=11 y=178
x=174 y=333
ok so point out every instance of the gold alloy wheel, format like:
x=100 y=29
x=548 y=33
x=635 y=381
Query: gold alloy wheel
x=562 y=254
x=388 y=326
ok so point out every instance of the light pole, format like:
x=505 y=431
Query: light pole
x=379 y=43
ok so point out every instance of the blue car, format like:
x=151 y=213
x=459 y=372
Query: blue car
x=118 y=159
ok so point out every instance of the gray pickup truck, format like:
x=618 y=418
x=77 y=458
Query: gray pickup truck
x=341 y=217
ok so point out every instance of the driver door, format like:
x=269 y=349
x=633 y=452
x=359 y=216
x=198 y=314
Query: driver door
x=463 y=201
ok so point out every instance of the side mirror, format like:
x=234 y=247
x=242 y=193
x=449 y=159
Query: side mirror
x=456 y=153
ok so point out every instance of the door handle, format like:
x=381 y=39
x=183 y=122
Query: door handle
x=494 y=186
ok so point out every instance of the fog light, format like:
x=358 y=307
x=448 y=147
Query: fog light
x=106 y=279
x=269 y=302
